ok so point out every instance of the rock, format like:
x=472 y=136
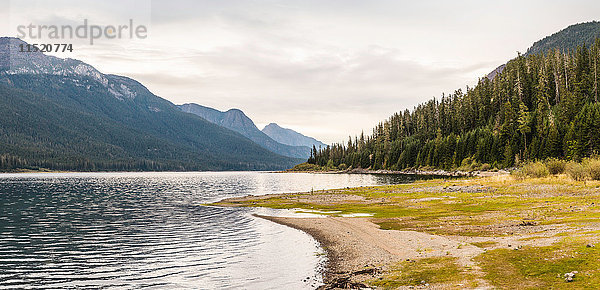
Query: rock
x=570 y=276
x=343 y=283
x=590 y=245
x=527 y=223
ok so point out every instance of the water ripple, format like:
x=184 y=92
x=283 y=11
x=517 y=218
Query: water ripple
x=149 y=230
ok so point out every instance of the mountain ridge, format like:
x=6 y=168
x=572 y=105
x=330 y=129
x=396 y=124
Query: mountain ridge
x=290 y=137
x=565 y=40
x=236 y=120
x=114 y=123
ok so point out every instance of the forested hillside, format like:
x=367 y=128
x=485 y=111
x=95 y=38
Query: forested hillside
x=539 y=106
x=63 y=114
x=568 y=38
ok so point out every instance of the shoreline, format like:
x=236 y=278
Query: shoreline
x=475 y=233
x=437 y=172
x=358 y=251
x=415 y=172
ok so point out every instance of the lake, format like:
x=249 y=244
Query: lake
x=151 y=230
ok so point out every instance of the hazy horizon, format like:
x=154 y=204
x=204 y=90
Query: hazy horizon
x=327 y=69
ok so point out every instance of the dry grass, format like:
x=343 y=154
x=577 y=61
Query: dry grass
x=532 y=170
x=556 y=166
x=576 y=171
x=592 y=167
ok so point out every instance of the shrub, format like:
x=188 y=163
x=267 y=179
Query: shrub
x=518 y=174
x=535 y=169
x=485 y=167
x=466 y=164
x=329 y=164
x=556 y=166
x=306 y=167
x=592 y=167
x=576 y=171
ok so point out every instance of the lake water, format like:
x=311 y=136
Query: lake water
x=150 y=230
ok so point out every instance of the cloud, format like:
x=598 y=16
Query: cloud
x=4 y=17
x=274 y=85
x=325 y=68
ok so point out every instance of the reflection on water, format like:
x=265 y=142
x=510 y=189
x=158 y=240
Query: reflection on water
x=134 y=230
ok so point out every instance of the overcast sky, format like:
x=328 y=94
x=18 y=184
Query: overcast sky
x=327 y=69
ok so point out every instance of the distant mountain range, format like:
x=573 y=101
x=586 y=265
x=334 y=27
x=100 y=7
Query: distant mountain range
x=64 y=114
x=291 y=137
x=236 y=120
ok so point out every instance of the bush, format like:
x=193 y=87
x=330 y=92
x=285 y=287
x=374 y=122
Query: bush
x=466 y=164
x=330 y=164
x=485 y=167
x=592 y=167
x=535 y=170
x=556 y=166
x=518 y=174
x=307 y=167
x=576 y=171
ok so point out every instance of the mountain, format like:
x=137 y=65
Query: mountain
x=565 y=40
x=568 y=39
x=64 y=114
x=495 y=72
x=236 y=120
x=290 y=137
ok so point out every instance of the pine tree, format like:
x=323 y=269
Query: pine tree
x=539 y=106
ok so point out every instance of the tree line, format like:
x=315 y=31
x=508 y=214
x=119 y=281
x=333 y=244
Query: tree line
x=540 y=106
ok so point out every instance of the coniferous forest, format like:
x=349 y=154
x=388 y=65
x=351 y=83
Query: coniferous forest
x=540 y=106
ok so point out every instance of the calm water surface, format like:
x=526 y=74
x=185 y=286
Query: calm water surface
x=150 y=230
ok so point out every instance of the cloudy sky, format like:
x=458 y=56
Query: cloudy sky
x=327 y=68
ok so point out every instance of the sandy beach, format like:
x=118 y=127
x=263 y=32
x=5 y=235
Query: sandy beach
x=359 y=251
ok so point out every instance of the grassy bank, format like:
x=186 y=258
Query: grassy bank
x=307 y=167
x=534 y=230
x=430 y=171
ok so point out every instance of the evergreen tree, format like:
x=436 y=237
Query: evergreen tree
x=539 y=106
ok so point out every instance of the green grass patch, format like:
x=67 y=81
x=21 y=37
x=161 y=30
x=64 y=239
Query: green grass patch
x=436 y=228
x=438 y=270
x=543 y=267
x=485 y=244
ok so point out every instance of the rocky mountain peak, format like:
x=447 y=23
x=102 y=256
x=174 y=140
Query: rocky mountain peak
x=13 y=61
